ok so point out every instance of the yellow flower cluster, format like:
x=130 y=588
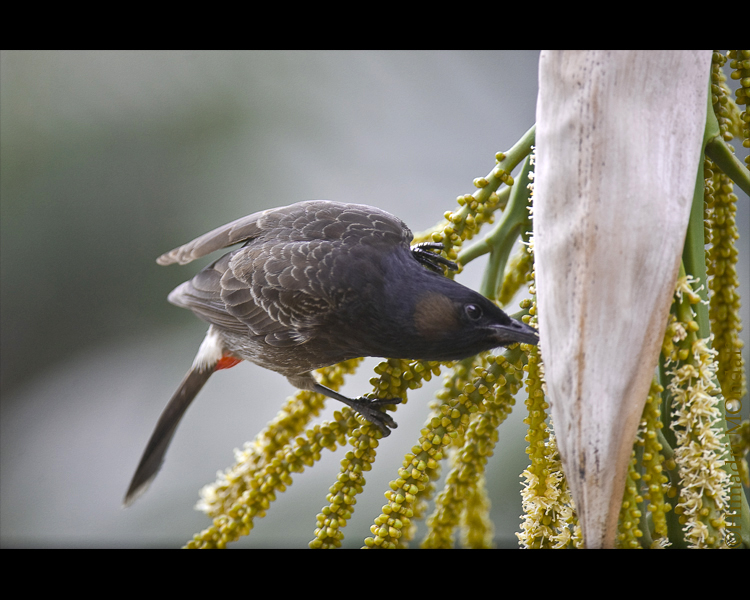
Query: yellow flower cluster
x=724 y=283
x=462 y=396
x=740 y=63
x=549 y=519
x=722 y=233
x=217 y=498
x=516 y=274
x=464 y=497
x=727 y=113
x=740 y=447
x=474 y=210
x=655 y=480
x=342 y=494
x=628 y=526
x=396 y=377
x=700 y=448
x=477 y=529
x=273 y=477
x=461 y=225
x=647 y=465
x=265 y=467
x=700 y=451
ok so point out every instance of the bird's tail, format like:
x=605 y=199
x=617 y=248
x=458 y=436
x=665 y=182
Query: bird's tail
x=157 y=446
x=210 y=358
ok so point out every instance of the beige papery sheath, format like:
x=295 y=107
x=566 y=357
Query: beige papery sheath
x=619 y=137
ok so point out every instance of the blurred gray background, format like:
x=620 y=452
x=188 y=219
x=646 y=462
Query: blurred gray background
x=108 y=159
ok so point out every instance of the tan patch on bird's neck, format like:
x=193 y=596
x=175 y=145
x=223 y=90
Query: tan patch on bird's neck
x=435 y=314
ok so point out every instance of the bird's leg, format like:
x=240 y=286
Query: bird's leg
x=370 y=409
x=431 y=260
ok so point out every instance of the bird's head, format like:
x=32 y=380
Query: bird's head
x=417 y=313
x=455 y=322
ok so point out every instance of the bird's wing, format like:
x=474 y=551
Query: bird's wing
x=300 y=262
x=203 y=295
x=227 y=235
x=300 y=218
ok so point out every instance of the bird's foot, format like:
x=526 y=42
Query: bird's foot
x=373 y=410
x=432 y=261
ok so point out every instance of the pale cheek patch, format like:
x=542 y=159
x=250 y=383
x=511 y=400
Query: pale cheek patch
x=435 y=315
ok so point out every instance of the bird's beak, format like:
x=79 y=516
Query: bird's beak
x=516 y=331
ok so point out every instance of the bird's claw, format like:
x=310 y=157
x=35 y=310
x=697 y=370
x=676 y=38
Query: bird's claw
x=373 y=411
x=431 y=260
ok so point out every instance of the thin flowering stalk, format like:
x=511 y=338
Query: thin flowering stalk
x=478 y=208
x=701 y=445
x=291 y=421
x=272 y=478
x=477 y=529
x=629 y=530
x=653 y=457
x=393 y=528
x=740 y=63
x=496 y=382
x=500 y=241
x=342 y=497
x=396 y=377
x=247 y=490
x=549 y=519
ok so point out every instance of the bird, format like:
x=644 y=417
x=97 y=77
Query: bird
x=316 y=283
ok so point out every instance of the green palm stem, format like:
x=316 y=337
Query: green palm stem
x=499 y=242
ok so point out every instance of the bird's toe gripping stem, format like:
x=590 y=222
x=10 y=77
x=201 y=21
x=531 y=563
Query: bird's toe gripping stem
x=370 y=409
x=374 y=411
x=432 y=261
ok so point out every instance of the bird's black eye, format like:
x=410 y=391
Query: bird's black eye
x=473 y=311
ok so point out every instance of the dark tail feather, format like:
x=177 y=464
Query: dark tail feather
x=153 y=455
